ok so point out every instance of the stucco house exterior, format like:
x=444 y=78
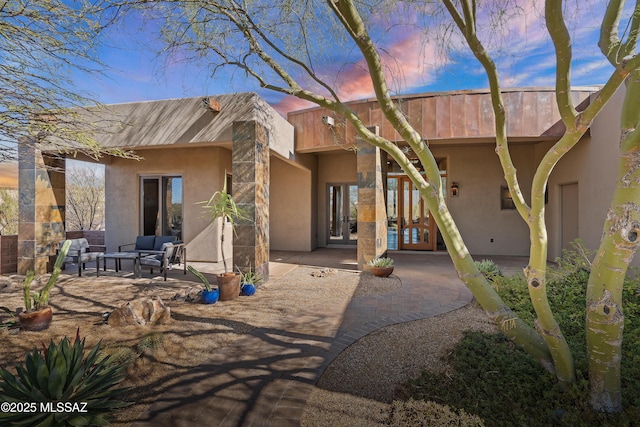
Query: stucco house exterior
x=308 y=182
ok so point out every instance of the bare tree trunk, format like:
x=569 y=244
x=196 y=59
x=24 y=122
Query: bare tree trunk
x=605 y=317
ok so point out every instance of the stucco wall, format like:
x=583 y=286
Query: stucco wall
x=290 y=208
x=202 y=170
x=592 y=164
x=477 y=209
x=332 y=168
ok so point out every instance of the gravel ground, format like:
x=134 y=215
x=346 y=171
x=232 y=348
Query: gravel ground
x=359 y=386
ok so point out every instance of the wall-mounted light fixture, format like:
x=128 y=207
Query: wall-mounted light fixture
x=455 y=189
x=211 y=104
x=328 y=121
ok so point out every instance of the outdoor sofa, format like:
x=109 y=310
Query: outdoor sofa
x=162 y=252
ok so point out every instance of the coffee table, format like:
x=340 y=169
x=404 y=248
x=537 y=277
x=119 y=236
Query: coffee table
x=118 y=257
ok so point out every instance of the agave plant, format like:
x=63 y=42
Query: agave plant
x=58 y=374
x=381 y=262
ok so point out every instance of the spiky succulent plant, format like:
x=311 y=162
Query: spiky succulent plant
x=61 y=374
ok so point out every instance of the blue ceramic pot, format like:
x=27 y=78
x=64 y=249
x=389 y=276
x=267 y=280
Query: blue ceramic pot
x=210 y=297
x=248 y=289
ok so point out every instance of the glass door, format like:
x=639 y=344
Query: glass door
x=343 y=213
x=161 y=206
x=416 y=229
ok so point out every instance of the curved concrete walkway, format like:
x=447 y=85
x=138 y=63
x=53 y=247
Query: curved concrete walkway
x=265 y=378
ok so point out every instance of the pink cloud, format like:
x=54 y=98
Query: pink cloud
x=407 y=63
x=291 y=103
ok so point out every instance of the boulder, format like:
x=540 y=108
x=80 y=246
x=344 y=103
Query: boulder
x=145 y=311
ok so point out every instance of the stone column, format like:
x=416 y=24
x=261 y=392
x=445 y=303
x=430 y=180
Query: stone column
x=250 y=169
x=372 y=210
x=41 y=208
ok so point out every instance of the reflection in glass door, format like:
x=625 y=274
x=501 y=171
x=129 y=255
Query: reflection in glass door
x=343 y=213
x=416 y=228
x=161 y=209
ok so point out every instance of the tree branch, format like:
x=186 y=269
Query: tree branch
x=562 y=43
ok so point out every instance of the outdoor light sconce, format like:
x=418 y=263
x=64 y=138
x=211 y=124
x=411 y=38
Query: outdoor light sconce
x=454 y=189
x=329 y=121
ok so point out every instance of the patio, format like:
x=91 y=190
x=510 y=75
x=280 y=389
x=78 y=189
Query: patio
x=252 y=360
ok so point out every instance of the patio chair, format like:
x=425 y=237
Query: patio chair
x=170 y=254
x=80 y=252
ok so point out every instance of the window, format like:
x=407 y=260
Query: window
x=506 y=201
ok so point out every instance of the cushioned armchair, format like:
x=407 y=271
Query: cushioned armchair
x=170 y=253
x=80 y=252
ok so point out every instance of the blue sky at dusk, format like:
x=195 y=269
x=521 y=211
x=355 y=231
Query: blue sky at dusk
x=138 y=74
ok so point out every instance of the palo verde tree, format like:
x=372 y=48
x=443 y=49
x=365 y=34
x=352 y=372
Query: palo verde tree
x=279 y=43
x=44 y=46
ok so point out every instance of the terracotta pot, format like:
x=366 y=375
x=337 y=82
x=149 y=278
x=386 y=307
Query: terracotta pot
x=229 y=286
x=36 y=320
x=382 y=271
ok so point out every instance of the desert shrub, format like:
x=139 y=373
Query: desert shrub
x=577 y=258
x=496 y=380
x=419 y=413
x=488 y=268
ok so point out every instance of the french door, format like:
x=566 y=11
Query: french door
x=343 y=213
x=161 y=206
x=417 y=230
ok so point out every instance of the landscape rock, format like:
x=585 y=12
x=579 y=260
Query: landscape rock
x=144 y=311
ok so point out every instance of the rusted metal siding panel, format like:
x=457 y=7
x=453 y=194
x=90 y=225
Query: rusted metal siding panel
x=486 y=126
x=443 y=117
x=472 y=115
x=530 y=114
x=458 y=115
x=513 y=106
x=429 y=120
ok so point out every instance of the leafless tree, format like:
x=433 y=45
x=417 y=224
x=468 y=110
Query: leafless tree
x=8 y=211
x=84 y=198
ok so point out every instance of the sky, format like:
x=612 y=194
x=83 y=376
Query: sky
x=523 y=52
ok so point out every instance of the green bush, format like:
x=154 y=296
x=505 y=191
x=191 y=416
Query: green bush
x=496 y=380
x=61 y=374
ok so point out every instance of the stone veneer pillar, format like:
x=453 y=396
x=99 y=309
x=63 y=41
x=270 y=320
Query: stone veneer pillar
x=372 y=211
x=41 y=208
x=250 y=185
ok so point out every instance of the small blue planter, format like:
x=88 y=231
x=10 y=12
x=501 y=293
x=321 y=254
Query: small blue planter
x=210 y=297
x=247 y=289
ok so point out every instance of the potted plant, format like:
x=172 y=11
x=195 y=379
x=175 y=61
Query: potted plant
x=221 y=205
x=249 y=281
x=381 y=266
x=37 y=314
x=209 y=295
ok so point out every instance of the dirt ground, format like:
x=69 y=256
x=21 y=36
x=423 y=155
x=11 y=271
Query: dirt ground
x=195 y=332
x=198 y=331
